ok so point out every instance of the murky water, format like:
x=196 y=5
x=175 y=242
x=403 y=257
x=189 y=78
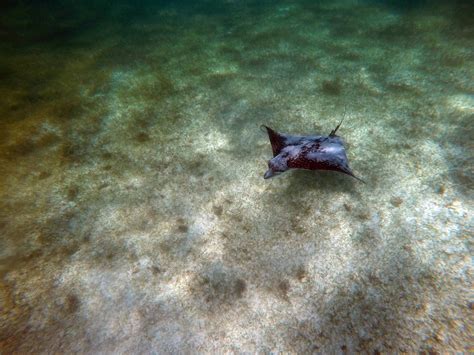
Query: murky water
x=134 y=216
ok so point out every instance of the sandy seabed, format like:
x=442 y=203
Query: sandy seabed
x=133 y=213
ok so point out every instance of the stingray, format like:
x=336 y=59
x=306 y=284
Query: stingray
x=307 y=152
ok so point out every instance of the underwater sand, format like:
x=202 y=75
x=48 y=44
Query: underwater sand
x=134 y=217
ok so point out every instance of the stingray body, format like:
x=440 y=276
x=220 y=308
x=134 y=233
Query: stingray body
x=307 y=152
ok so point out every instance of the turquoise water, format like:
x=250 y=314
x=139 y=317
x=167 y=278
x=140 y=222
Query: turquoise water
x=134 y=217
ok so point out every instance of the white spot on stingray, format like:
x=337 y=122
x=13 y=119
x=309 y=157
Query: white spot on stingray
x=292 y=150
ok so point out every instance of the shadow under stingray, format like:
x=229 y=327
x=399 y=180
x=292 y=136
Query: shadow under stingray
x=327 y=181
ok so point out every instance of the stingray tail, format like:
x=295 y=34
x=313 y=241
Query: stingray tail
x=276 y=140
x=333 y=132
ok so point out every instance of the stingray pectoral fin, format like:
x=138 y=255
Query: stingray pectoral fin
x=343 y=167
x=358 y=178
x=353 y=175
x=276 y=139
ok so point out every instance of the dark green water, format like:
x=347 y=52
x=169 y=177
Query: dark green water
x=134 y=217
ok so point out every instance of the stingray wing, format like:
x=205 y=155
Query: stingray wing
x=280 y=140
x=318 y=161
x=277 y=140
x=327 y=155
